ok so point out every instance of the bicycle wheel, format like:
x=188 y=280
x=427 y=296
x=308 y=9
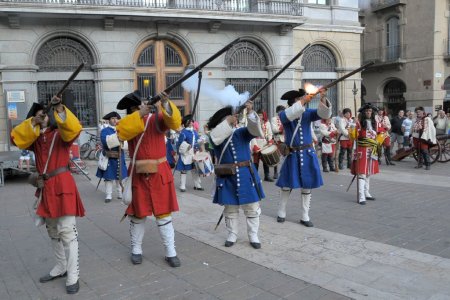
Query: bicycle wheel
x=97 y=154
x=84 y=150
x=91 y=155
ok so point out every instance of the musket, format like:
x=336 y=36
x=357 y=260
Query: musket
x=255 y=94
x=156 y=98
x=334 y=82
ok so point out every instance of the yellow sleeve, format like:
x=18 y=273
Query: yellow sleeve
x=70 y=128
x=174 y=121
x=352 y=133
x=130 y=126
x=24 y=134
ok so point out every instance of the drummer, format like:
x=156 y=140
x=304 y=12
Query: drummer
x=278 y=133
x=300 y=169
x=187 y=145
x=258 y=143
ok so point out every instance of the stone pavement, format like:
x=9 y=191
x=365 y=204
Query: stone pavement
x=354 y=251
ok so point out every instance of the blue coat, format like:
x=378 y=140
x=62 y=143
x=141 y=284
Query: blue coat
x=237 y=189
x=111 y=172
x=301 y=168
x=169 y=153
x=186 y=135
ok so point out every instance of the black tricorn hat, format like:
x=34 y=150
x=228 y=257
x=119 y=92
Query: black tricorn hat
x=112 y=114
x=130 y=100
x=219 y=116
x=290 y=96
x=186 y=119
x=367 y=106
x=34 y=109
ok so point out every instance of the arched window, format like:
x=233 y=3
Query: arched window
x=65 y=54
x=159 y=64
x=393 y=95
x=392 y=39
x=319 y=66
x=243 y=57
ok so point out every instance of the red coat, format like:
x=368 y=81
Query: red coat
x=153 y=194
x=364 y=162
x=60 y=195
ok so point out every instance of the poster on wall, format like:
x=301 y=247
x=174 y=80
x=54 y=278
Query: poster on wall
x=12 y=111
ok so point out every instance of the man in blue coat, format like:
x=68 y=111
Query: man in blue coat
x=110 y=143
x=300 y=169
x=238 y=184
x=187 y=146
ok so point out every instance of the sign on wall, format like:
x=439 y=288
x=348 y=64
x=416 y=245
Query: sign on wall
x=15 y=96
x=12 y=111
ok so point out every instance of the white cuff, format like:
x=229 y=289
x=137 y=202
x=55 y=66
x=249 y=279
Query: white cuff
x=254 y=125
x=221 y=132
x=295 y=111
x=112 y=141
x=324 y=111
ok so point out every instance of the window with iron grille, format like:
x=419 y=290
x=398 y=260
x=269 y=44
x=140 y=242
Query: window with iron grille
x=65 y=54
x=83 y=91
x=319 y=58
x=242 y=57
x=147 y=57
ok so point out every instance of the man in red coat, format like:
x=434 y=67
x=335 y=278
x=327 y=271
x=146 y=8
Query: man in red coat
x=152 y=179
x=58 y=199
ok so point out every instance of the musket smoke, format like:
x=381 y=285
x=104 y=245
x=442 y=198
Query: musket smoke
x=226 y=96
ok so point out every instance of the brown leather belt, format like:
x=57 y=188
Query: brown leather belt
x=112 y=154
x=55 y=172
x=302 y=147
x=244 y=163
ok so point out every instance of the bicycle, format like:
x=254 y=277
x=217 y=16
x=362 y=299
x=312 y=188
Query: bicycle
x=92 y=148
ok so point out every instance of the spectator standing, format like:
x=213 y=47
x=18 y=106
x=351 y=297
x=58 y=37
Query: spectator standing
x=396 y=129
x=406 y=129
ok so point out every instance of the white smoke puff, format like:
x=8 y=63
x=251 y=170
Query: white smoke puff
x=226 y=96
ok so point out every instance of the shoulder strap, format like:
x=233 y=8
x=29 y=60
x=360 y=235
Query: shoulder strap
x=225 y=147
x=50 y=152
x=296 y=130
x=138 y=144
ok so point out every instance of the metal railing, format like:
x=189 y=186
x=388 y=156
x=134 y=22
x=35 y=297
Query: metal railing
x=276 y=7
x=385 y=54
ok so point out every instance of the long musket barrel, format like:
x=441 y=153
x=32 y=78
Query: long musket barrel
x=156 y=98
x=252 y=97
x=69 y=81
x=334 y=82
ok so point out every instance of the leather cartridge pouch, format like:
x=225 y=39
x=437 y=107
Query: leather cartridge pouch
x=35 y=180
x=224 y=170
x=112 y=154
x=284 y=149
x=148 y=166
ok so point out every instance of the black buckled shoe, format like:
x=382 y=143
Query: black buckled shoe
x=370 y=198
x=107 y=200
x=306 y=223
x=362 y=202
x=228 y=244
x=173 y=261
x=255 y=245
x=74 y=288
x=199 y=189
x=281 y=220
x=136 y=259
x=182 y=190
x=49 y=277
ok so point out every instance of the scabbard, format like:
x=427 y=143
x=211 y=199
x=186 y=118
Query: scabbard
x=258 y=191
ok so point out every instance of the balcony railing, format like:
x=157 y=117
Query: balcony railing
x=387 y=54
x=382 y=4
x=276 y=7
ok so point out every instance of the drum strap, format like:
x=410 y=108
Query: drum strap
x=225 y=147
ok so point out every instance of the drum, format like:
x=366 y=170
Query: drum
x=270 y=155
x=184 y=147
x=203 y=163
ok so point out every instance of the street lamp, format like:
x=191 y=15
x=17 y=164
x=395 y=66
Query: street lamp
x=354 y=91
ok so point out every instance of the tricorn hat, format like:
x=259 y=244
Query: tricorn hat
x=219 y=116
x=130 y=100
x=34 y=109
x=290 y=96
x=367 y=106
x=186 y=119
x=112 y=114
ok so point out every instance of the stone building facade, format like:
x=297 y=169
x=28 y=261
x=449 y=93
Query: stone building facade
x=409 y=42
x=147 y=45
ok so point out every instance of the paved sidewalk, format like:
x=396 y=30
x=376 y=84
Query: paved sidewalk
x=207 y=272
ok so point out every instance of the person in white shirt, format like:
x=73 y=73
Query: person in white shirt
x=406 y=129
